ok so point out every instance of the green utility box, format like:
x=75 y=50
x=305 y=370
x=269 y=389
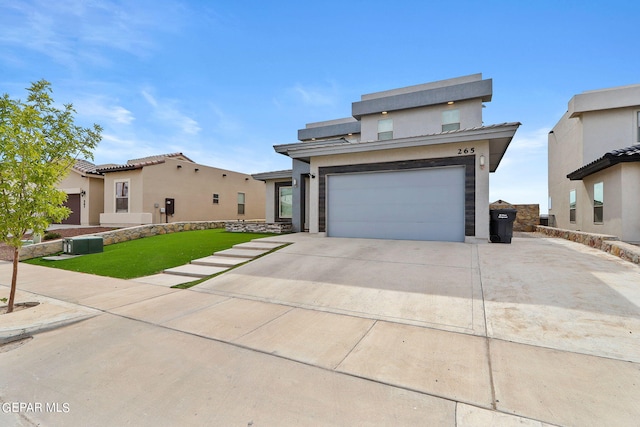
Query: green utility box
x=82 y=245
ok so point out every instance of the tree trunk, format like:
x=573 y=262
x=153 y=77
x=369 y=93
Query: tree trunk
x=14 y=279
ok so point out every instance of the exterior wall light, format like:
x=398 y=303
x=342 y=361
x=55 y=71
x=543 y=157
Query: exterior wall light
x=482 y=160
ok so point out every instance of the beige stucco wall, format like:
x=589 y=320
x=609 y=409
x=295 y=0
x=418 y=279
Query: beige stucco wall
x=612 y=213
x=564 y=148
x=631 y=203
x=95 y=200
x=421 y=121
x=608 y=130
x=91 y=205
x=135 y=190
x=192 y=190
x=621 y=210
x=416 y=153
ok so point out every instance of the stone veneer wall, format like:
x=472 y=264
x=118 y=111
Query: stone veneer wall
x=604 y=242
x=121 y=235
x=259 y=227
x=527 y=218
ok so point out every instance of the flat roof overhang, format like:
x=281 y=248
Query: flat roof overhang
x=499 y=137
x=264 y=176
x=481 y=89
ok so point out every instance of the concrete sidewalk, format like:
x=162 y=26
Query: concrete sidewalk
x=344 y=332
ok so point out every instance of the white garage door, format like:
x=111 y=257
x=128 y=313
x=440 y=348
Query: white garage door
x=424 y=204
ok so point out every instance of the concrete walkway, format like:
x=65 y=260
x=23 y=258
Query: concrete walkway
x=208 y=266
x=344 y=332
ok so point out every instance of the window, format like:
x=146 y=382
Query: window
x=450 y=120
x=638 y=125
x=572 y=206
x=216 y=198
x=285 y=202
x=122 y=196
x=240 y=203
x=385 y=129
x=598 y=202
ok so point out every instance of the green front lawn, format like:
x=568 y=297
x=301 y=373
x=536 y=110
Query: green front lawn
x=151 y=255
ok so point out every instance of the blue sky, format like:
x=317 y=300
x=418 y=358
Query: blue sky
x=223 y=81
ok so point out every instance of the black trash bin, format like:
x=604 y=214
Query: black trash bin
x=501 y=225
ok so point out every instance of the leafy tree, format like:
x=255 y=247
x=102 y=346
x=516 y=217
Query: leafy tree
x=38 y=145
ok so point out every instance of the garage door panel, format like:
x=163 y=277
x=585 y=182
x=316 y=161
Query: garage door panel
x=425 y=204
x=440 y=231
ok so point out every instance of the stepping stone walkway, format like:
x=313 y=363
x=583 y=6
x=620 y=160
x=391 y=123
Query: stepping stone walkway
x=207 y=266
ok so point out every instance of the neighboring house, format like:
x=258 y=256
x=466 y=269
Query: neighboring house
x=85 y=194
x=156 y=189
x=412 y=163
x=594 y=164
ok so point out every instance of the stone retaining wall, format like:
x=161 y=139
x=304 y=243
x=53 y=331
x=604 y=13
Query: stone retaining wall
x=527 y=218
x=40 y=249
x=121 y=235
x=604 y=242
x=259 y=227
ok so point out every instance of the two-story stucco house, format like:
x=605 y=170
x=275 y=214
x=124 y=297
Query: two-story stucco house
x=411 y=163
x=594 y=164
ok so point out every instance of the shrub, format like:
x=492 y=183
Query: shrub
x=51 y=236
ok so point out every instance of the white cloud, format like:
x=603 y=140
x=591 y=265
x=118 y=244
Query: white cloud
x=225 y=123
x=73 y=33
x=117 y=149
x=315 y=96
x=101 y=110
x=167 y=112
x=532 y=141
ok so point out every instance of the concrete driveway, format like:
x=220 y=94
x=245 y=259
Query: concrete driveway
x=347 y=332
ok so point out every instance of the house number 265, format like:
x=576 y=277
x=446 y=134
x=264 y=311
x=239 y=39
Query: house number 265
x=466 y=150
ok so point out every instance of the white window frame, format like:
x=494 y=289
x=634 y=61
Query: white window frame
x=242 y=203
x=601 y=206
x=115 y=195
x=280 y=204
x=638 y=126
x=385 y=129
x=573 y=206
x=450 y=120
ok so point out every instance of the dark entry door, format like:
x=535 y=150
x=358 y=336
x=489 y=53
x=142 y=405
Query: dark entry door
x=73 y=203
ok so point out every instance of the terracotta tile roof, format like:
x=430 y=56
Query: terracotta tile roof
x=627 y=154
x=84 y=166
x=628 y=151
x=129 y=166
x=158 y=157
x=141 y=162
